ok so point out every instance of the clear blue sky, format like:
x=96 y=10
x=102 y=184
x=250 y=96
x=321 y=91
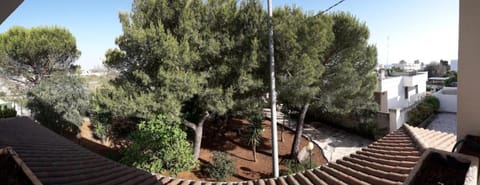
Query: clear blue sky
x=426 y=30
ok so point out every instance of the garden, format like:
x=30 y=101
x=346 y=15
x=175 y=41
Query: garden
x=192 y=81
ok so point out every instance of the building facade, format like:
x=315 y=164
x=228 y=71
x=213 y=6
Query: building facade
x=398 y=92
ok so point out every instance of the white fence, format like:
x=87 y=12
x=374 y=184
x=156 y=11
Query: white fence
x=448 y=99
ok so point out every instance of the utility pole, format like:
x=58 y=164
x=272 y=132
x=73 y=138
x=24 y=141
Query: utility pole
x=273 y=94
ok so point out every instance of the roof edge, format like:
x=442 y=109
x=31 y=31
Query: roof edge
x=33 y=178
x=422 y=146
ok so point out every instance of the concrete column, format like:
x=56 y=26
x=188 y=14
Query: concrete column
x=468 y=116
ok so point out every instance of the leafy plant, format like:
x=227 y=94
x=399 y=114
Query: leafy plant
x=222 y=166
x=6 y=111
x=160 y=145
x=294 y=166
x=101 y=130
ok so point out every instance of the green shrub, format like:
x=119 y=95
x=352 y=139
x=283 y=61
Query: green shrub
x=7 y=112
x=222 y=166
x=432 y=100
x=101 y=130
x=423 y=110
x=160 y=145
x=293 y=166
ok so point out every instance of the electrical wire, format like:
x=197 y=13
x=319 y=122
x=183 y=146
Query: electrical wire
x=329 y=8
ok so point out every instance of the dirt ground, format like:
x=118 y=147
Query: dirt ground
x=232 y=143
x=228 y=138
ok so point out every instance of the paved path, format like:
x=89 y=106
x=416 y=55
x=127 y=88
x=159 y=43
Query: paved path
x=445 y=122
x=336 y=143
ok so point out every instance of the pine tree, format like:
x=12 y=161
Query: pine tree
x=301 y=39
x=186 y=58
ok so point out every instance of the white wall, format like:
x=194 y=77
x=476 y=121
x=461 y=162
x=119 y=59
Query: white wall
x=448 y=103
x=395 y=91
x=398 y=117
x=395 y=88
x=448 y=99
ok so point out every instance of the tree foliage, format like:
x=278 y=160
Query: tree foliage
x=349 y=79
x=29 y=55
x=436 y=69
x=190 y=59
x=160 y=145
x=7 y=111
x=59 y=101
x=301 y=40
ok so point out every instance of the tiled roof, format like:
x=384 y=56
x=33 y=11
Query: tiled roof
x=55 y=160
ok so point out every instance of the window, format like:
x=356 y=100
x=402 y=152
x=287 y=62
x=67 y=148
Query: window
x=406 y=92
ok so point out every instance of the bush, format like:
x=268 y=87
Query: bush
x=222 y=166
x=423 y=110
x=432 y=100
x=7 y=112
x=294 y=167
x=101 y=130
x=160 y=145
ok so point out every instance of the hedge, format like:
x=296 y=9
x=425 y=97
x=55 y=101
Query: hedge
x=423 y=110
x=7 y=112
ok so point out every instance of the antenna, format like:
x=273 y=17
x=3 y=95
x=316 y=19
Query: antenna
x=388 y=47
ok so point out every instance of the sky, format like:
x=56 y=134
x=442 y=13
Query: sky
x=426 y=30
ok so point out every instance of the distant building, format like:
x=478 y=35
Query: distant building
x=401 y=89
x=454 y=65
x=398 y=92
x=434 y=84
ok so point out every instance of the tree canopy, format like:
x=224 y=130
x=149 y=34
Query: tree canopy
x=190 y=59
x=193 y=59
x=59 y=101
x=436 y=69
x=29 y=55
x=301 y=40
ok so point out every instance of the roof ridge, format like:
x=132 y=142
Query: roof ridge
x=423 y=138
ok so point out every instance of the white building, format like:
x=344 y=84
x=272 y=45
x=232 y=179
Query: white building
x=398 y=92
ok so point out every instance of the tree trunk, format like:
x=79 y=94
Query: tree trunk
x=281 y=130
x=298 y=132
x=254 y=153
x=198 y=128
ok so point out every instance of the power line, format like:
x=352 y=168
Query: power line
x=329 y=8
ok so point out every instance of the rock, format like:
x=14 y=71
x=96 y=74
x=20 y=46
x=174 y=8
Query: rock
x=303 y=154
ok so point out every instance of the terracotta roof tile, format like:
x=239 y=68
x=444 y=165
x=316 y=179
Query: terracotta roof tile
x=327 y=177
x=313 y=178
x=55 y=160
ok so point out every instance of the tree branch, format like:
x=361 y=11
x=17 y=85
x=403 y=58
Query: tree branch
x=189 y=124
x=205 y=116
x=17 y=80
